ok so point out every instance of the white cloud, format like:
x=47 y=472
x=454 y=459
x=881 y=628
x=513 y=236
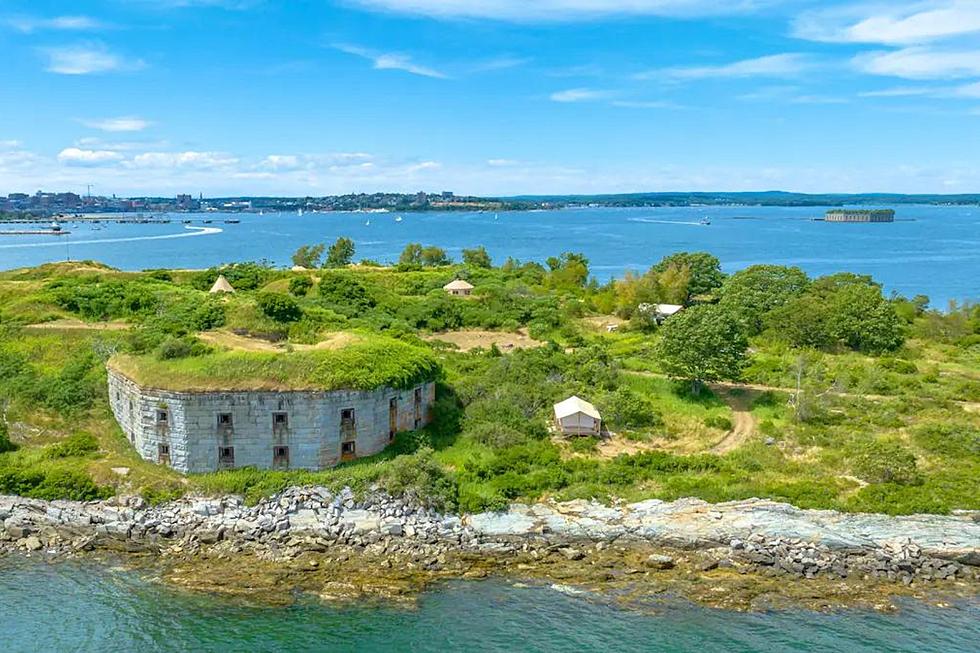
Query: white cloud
x=9 y=144
x=900 y=23
x=920 y=63
x=901 y=91
x=120 y=124
x=561 y=10
x=502 y=163
x=190 y=159
x=29 y=24
x=74 y=156
x=773 y=65
x=579 y=95
x=968 y=90
x=86 y=59
x=390 y=61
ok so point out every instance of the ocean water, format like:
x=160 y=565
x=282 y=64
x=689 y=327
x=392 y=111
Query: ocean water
x=84 y=607
x=931 y=250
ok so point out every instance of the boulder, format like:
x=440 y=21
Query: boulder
x=657 y=561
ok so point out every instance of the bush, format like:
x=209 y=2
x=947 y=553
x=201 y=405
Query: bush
x=300 y=286
x=74 y=446
x=5 y=443
x=54 y=484
x=279 y=307
x=718 y=422
x=496 y=435
x=628 y=409
x=173 y=348
x=584 y=445
x=421 y=476
x=885 y=461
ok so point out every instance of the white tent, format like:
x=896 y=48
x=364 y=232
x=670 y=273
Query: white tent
x=221 y=285
x=576 y=416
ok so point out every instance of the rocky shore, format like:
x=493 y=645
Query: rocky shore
x=380 y=542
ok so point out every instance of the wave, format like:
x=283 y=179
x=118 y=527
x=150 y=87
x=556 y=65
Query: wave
x=195 y=231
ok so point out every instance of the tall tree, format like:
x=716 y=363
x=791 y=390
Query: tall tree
x=477 y=257
x=705 y=271
x=702 y=343
x=751 y=293
x=308 y=256
x=340 y=254
x=433 y=256
x=411 y=256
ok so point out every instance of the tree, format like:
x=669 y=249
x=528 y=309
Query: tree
x=280 y=307
x=705 y=271
x=477 y=257
x=411 y=256
x=340 y=254
x=570 y=270
x=5 y=443
x=300 y=286
x=308 y=256
x=751 y=293
x=702 y=343
x=433 y=256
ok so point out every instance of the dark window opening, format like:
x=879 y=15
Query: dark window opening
x=347 y=448
x=418 y=408
x=226 y=456
x=280 y=457
x=280 y=419
x=163 y=416
x=392 y=418
x=348 y=427
x=163 y=454
x=224 y=419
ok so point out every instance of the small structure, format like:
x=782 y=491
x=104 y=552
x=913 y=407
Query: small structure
x=575 y=416
x=459 y=288
x=860 y=215
x=221 y=285
x=658 y=312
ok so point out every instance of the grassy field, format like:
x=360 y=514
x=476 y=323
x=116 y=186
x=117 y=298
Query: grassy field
x=894 y=433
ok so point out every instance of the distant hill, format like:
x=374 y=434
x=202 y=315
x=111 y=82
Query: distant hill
x=763 y=198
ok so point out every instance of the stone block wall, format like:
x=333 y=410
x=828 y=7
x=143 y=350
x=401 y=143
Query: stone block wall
x=186 y=430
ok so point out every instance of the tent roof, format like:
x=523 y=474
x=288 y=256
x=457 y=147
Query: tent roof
x=574 y=405
x=221 y=285
x=668 y=309
x=458 y=284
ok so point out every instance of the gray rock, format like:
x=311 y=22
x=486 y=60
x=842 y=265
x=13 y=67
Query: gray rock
x=657 y=561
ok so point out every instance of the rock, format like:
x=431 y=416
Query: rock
x=571 y=554
x=707 y=565
x=657 y=561
x=32 y=543
x=392 y=528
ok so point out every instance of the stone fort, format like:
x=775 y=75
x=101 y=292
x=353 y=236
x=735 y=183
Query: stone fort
x=193 y=431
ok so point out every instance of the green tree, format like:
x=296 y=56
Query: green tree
x=5 y=443
x=280 y=307
x=705 y=271
x=752 y=293
x=411 y=256
x=570 y=270
x=308 y=256
x=433 y=256
x=702 y=343
x=477 y=257
x=300 y=286
x=340 y=254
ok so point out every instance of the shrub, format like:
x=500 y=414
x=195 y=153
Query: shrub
x=718 y=422
x=54 y=484
x=421 y=476
x=885 y=461
x=496 y=435
x=628 y=409
x=280 y=307
x=74 y=446
x=5 y=443
x=172 y=348
x=959 y=440
x=584 y=445
x=300 y=286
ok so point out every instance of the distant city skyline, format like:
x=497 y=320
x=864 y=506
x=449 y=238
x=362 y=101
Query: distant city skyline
x=489 y=97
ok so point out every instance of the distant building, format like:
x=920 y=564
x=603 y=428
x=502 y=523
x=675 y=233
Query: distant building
x=459 y=288
x=659 y=312
x=860 y=215
x=575 y=416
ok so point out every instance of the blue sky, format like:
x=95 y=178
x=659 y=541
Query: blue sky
x=489 y=96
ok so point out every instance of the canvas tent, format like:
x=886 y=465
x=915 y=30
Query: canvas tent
x=575 y=416
x=459 y=288
x=221 y=285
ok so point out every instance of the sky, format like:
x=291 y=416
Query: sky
x=488 y=97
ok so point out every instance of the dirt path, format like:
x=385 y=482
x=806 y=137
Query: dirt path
x=743 y=423
x=468 y=339
x=78 y=325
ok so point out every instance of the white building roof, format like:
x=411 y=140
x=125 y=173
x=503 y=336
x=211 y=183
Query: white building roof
x=574 y=405
x=668 y=309
x=221 y=285
x=458 y=284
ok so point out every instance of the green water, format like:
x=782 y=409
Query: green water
x=86 y=607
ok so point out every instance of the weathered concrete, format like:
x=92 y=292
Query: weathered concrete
x=184 y=429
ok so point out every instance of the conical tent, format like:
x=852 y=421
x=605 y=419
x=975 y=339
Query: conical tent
x=221 y=285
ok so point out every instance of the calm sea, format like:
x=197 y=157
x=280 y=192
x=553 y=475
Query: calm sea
x=84 y=607
x=931 y=250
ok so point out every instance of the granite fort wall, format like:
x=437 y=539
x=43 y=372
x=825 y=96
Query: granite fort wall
x=193 y=431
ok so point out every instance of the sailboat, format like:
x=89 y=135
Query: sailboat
x=367 y=223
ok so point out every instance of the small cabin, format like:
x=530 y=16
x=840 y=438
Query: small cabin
x=575 y=416
x=459 y=288
x=221 y=285
x=658 y=312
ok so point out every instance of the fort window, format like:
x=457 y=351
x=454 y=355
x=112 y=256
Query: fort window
x=348 y=428
x=348 y=450
x=392 y=418
x=163 y=416
x=226 y=457
x=280 y=420
x=280 y=457
x=224 y=420
x=163 y=454
x=418 y=408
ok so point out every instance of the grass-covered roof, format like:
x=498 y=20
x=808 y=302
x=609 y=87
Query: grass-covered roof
x=379 y=362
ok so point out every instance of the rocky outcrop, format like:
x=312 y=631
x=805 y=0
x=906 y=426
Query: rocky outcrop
x=770 y=537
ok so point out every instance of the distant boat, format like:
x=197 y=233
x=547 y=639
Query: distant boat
x=367 y=223
x=705 y=221
x=299 y=211
x=496 y=216
x=55 y=226
x=398 y=218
